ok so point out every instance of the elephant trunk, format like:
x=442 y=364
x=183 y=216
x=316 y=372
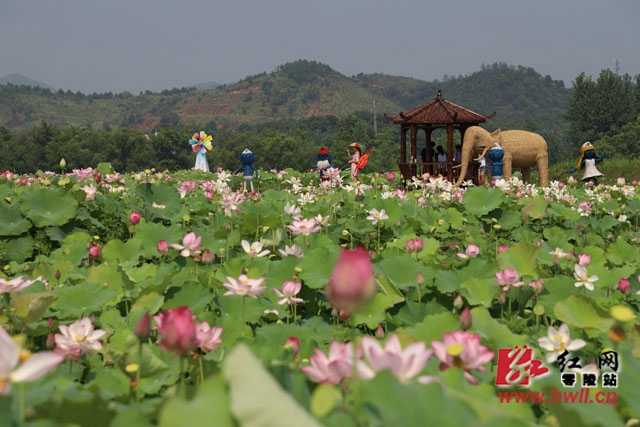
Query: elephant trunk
x=464 y=163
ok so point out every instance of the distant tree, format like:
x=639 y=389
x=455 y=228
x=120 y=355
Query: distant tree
x=625 y=144
x=600 y=108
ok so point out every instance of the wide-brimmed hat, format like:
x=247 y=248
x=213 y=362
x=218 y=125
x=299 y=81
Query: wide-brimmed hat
x=354 y=144
x=323 y=150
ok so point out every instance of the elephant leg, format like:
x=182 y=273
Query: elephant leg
x=526 y=174
x=506 y=170
x=543 y=170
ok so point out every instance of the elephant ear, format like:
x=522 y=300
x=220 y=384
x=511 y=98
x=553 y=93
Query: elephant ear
x=496 y=133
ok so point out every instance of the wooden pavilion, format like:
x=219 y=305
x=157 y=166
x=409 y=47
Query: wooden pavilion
x=435 y=114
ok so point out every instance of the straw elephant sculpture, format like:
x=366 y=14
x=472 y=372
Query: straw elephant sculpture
x=522 y=150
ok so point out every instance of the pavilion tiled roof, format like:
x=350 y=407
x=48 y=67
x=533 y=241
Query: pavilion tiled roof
x=439 y=111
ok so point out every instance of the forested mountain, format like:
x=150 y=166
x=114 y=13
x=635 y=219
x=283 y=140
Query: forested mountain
x=286 y=115
x=20 y=80
x=296 y=90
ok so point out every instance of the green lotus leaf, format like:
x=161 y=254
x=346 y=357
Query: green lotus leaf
x=31 y=306
x=401 y=271
x=256 y=398
x=493 y=331
x=522 y=257
x=160 y=200
x=12 y=221
x=583 y=312
x=47 y=207
x=17 y=249
x=480 y=201
x=316 y=274
x=199 y=411
x=83 y=299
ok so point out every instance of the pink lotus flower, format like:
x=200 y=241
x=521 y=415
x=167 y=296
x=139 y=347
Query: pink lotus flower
x=231 y=202
x=134 y=218
x=376 y=216
x=244 y=286
x=16 y=284
x=294 y=250
x=337 y=366
x=208 y=338
x=90 y=192
x=462 y=350
x=405 y=364
x=289 y=291
x=33 y=366
x=78 y=338
x=254 y=250
x=502 y=248
x=414 y=245
x=178 y=331
x=472 y=251
x=190 y=244
x=352 y=283
x=304 y=227
x=391 y=176
x=507 y=278
x=583 y=278
x=557 y=341
x=584 y=259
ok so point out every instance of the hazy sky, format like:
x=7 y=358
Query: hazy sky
x=138 y=45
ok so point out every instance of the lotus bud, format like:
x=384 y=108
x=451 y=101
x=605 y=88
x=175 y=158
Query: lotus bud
x=624 y=286
x=207 y=257
x=293 y=344
x=352 y=283
x=63 y=163
x=94 y=252
x=178 y=331
x=465 y=319
x=134 y=218
x=162 y=247
x=143 y=327
x=458 y=302
x=584 y=259
x=380 y=333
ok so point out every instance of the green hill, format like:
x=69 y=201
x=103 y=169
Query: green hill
x=20 y=80
x=297 y=90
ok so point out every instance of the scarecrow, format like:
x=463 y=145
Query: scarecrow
x=588 y=160
x=201 y=143
x=323 y=159
x=247 y=158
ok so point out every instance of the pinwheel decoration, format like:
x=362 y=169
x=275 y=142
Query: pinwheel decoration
x=201 y=143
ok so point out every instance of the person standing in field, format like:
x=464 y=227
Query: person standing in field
x=355 y=158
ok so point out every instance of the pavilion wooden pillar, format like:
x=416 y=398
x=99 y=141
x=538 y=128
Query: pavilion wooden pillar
x=403 y=144
x=450 y=150
x=414 y=135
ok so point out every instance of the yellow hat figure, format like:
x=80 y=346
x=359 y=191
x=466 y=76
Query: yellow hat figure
x=588 y=160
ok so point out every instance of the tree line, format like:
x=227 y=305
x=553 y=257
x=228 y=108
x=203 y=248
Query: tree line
x=278 y=145
x=605 y=111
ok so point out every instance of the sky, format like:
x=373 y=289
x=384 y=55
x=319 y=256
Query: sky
x=96 y=46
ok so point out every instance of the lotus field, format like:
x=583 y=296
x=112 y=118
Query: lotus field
x=180 y=299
